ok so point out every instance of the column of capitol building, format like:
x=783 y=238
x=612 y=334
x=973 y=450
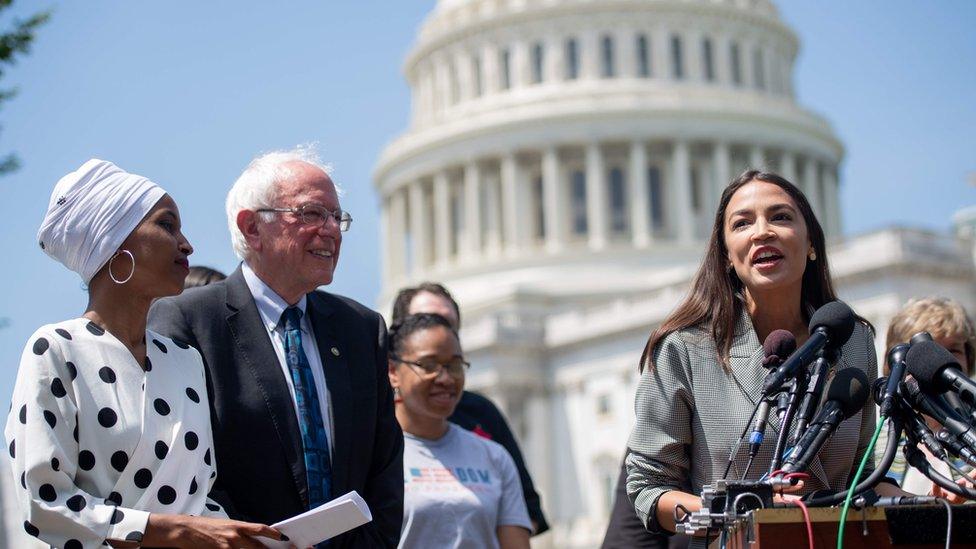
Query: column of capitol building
x=562 y=166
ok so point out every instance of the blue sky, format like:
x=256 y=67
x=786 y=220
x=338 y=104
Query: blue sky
x=187 y=92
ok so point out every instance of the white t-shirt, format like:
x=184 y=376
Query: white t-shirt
x=457 y=491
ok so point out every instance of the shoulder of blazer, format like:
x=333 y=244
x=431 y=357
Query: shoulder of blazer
x=331 y=304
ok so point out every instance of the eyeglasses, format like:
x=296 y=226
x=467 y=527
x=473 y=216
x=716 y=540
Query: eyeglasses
x=431 y=369
x=314 y=214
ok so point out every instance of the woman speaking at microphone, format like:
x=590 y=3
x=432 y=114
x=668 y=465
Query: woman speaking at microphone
x=765 y=268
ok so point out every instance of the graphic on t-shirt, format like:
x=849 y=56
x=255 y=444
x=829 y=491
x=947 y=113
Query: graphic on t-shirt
x=444 y=479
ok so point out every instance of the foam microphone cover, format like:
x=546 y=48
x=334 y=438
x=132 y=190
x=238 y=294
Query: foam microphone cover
x=850 y=389
x=926 y=360
x=838 y=319
x=779 y=345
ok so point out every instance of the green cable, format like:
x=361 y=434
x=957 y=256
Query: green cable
x=857 y=478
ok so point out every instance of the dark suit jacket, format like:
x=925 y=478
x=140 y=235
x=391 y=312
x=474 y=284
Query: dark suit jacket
x=260 y=464
x=476 y=412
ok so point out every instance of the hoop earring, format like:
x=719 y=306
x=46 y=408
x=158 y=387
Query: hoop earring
x=132 y=272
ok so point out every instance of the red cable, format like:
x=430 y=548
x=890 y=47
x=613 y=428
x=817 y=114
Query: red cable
x=806 y=519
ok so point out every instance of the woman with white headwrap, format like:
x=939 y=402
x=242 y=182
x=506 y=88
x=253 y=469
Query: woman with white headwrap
x=109 y=429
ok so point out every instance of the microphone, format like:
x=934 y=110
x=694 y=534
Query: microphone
x=778 y=345
x=830 y=327
x=846 y=395
x=904 y=500
x=782 y=402
x=896 y=367
x=952 y=442
x=815 y=387
x=935 y=408
x=937 y=371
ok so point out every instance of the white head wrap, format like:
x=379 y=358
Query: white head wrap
x=92 y=211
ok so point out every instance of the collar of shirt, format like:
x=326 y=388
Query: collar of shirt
x=270 y=304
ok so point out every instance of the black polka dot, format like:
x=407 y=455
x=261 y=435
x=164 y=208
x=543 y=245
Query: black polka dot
x=47 y=493
x=180 y=344
x=117 y=516
x=148 y=365
x=134 y=536
x=161 y=449
x=73 y=544
x=193 y=395
x=206 y=457
x=23 y=414
x=63 y=333
x=55 y=464
x=75 y=433
x=107 y=374
x=107 y=417
x=119 y=460
x=40 y=346
x=23 y=480
x=193 y=486
x=161 y=406
x=114 y=498
x=86 y=460
x=143 y=478
x=50 y=418
x=31 y=529
x=213 y=507
x=57 y=388
x=95 y=329
x=12 y=449
x=72 y=370
x=166 y=495
x=191 y=440
x=159 y=345
x=76 y=503
x=213 y=474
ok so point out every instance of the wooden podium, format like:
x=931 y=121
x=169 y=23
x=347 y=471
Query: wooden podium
x=908 y=527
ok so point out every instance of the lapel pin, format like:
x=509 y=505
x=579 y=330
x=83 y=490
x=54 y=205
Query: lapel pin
x=335 y=351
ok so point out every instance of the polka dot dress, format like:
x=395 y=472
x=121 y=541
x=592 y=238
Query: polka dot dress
x=99 y=441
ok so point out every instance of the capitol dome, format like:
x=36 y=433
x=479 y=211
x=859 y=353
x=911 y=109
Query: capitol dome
x=545 y=129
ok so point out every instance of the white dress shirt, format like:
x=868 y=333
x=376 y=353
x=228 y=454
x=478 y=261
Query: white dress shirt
x=270 y=307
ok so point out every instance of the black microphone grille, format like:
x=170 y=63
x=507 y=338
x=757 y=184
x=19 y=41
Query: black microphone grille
x=838 y=319
x=925 y=361
x=850 y=389
x=779 y=345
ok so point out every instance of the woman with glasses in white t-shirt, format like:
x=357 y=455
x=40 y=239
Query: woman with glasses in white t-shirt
x=459 y=489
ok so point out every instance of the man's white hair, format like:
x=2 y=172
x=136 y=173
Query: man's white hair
x=257 y=185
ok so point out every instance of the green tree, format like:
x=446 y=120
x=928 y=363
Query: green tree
x=14 y=43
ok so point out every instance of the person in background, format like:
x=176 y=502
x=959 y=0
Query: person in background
x=109 y=431
x=949 y=325
x=474 y=412
x=764 y=268
x=201 y=276
x=461 y=490
x=302 y=405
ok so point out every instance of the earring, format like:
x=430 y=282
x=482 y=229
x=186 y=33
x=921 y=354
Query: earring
x=396 y=392
x=812 y=255
x=131 y=272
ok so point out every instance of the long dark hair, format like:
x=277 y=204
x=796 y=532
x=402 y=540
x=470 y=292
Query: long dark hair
x=715 y=299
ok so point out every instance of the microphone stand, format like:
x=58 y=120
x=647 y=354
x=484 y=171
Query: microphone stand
x=814 y=390
x=799 y=386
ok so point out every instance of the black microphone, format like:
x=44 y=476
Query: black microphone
x=955 y=446
x=778 y=345
x=782 y=402
x=904 y=500
x=937 y=409
x=846 y=395
x=896 y=367
x=815 y=387
x=937 y=371
x=830 y=327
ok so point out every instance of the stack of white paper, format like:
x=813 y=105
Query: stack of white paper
x=324 y=522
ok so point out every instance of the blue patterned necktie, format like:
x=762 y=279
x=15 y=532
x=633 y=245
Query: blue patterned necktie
x=315 y=440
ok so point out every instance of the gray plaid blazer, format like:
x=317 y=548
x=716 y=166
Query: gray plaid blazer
x=691 y=410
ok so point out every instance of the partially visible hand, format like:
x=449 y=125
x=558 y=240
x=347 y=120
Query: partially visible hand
x=787 y=494
x=954 y=499
x=209 y=533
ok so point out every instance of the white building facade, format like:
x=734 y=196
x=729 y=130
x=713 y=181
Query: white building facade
x=560 y=173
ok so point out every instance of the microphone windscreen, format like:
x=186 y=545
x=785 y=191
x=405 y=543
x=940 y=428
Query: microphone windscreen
x=925 y=361
x=838 y=319
x=779 y=345
x=850 y=389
